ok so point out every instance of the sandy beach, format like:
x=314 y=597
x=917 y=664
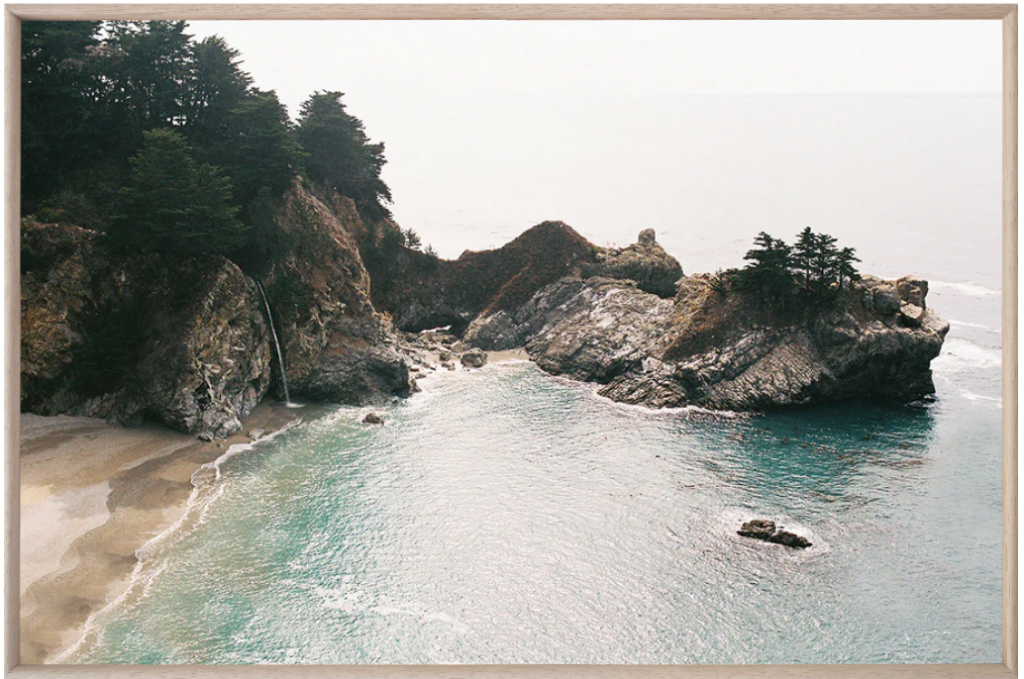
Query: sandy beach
x=92 y=493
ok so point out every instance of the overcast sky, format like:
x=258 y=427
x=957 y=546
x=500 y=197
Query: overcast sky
x=394 y=60
x=491 y=126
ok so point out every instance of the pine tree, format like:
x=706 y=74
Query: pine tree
x=257 y=148
x=847 y=271
x=173 y=204
x=804 y=254
x=340 y=155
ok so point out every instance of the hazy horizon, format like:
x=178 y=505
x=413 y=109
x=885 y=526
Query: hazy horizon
x=492 y=127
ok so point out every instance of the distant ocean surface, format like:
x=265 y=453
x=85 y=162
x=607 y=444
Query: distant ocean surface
x=506 y=516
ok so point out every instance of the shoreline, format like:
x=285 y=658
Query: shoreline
x=92 y=494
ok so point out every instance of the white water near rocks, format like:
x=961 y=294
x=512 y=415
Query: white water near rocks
x=503 y=515
x=277 y=345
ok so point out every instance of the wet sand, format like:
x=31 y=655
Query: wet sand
x=93 y=493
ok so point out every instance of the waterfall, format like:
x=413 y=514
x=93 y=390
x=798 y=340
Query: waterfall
x=277 y=345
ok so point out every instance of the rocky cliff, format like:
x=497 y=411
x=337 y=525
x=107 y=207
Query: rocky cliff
x=187 y=343
x=724 y=349
x=126 y=338
x=337 y=347
x=420 y=291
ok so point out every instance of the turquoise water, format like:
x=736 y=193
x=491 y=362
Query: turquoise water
x=505 y=516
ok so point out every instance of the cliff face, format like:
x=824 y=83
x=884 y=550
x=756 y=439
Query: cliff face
x=130 y=337
x=126 y=338
x=724 y=350
x=423 y=292
x=337 y=347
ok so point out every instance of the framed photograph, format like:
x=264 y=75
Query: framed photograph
x=527 y=340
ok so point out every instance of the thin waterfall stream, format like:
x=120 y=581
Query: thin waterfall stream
x=277 y=345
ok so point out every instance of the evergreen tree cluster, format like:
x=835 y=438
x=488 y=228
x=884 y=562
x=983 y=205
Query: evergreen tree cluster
x=135 y=128
x=814 y=266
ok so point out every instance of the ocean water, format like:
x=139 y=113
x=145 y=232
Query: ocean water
x=507 y=516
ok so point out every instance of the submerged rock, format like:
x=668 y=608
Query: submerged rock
x=764 y=529
x=373 y=418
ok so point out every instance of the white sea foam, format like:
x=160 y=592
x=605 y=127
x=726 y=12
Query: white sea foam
x=148 y=567
x=965 y=324
x=968 y=288
x=690 y=411
x=971 y=396
x=351 y=601
x=959 y=355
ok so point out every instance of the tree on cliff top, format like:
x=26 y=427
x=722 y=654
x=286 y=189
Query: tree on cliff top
x=814 y=266
x=340 y=155
x=257 y=148
x=174 y=205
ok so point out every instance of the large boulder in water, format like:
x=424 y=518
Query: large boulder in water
x=765 y=530
x=474 y=358
x=127 y=337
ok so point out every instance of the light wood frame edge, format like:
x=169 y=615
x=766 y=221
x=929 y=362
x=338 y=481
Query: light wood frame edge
x=14 y=14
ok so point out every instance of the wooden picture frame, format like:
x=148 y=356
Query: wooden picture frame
x=1006 y=13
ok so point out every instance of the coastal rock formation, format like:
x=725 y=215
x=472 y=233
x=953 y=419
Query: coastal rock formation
x=124 y=338
x=724 y=349
x=186 y=341
x=129 y=337
x=644 y=266
x=644 y=262
x=474 y=358
x=421 y=291
x=336 y=346
x=765 y=529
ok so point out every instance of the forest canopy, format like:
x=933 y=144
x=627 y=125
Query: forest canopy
x=137 y=129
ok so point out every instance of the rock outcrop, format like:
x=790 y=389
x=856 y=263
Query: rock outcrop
x=420 y=291
x=474 y=358
x=765 y=530
x=186 y=342
x=724 y=349
x=337 y=347
x=126 y=338
x=644 y=266
x=644 y=262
